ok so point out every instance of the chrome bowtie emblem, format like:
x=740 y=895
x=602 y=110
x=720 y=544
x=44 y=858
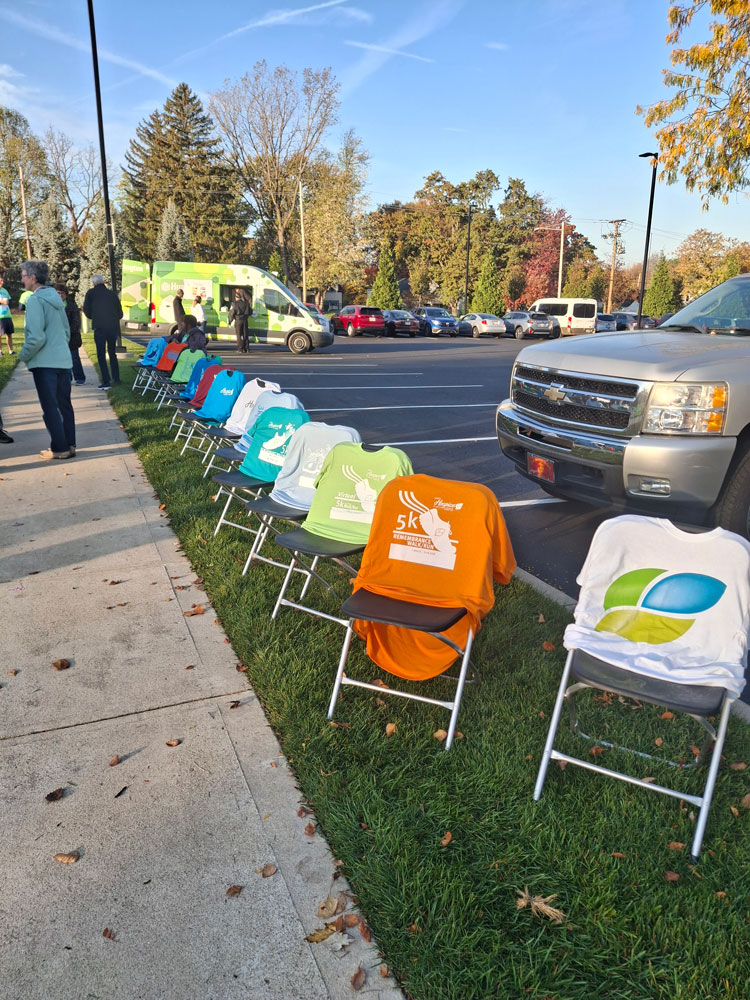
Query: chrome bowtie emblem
x=554 y=395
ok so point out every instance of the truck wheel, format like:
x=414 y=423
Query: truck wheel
x=350 y=331
x=518 y=332
x=732 y=509
x=299 y=343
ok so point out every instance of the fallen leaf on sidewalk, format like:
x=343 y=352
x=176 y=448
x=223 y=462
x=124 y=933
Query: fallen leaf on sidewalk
x=198 y=581
x=68 y=859
x=358 y=979
x=115 y=760
x=123 y=789
x=235 y=704
x=340 y=941
x=56 y=795
x=190 y=666
x=234 y=890
x=60 y=664
x=321 y=934
x=12 y=673
x=310 y=830
x=198 y=609
x=113 y=583
x=328 y=907
x=384 y=971
x=364 y=930
x=267 y=870
x=173 y=743
x=304 y=811
x=162 y=507
x=107 y=933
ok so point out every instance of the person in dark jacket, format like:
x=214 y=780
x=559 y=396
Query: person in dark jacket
x=195 y=338
x=103 y=308
x=74 y=322
x=239 y=313
x=177 y=306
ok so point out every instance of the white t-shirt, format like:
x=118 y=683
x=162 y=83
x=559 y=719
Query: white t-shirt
x=238 y=419
x=666 y=603
x=199 y=313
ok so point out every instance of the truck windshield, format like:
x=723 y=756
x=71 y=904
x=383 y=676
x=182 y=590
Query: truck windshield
x=724 y=309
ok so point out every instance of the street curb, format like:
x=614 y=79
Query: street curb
x=739 y=708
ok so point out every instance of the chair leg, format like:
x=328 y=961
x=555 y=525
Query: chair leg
x=708 y=791
x=459 y=690
x=555 y=721
x=284 y=585
x=308 y=581
x=340 y=671
x=260 y=537
x=226 y=508
x=188 y=439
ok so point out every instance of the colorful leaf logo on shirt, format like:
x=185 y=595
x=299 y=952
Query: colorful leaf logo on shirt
x=643 y=605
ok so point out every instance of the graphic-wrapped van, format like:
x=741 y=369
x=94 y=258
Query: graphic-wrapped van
x=278 y=316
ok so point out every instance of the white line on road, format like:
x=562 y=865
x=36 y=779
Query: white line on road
x=530 y=503
x=393 y=444
x=327 y=388
x=418 y=406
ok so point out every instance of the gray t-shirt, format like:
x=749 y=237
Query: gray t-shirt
x=305 y=455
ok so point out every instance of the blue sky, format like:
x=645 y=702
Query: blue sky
x=544 y=90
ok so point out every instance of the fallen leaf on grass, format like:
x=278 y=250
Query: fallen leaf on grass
x=267 y=870
x=562 y=764
x=548 y=646
x=379 y=702
x=738 y=766
x=440 y=735
x=173 y=743
x=721 y=894
x=734 y=810
x=390 y=728
x=648 y=780
x=667 y=715
x=617 y=854
x=56 y=795
x=123 y=789
x=310 y=830
x=596 y=751
x=321 y=934
x=115 y=760
x=696 y=751
x=380 y=683
x=60 y=664
x=234 y=890
x=541 y=619
x=197 y=610
x=340 y=725
x=539 y=906
x=745 y=801
x=162 y=506
x=358 y=979
x=68 y=859
x=675 y=845
x=444 y=841
x=671 y=876
x=235 y=704
x=658 y=741
x=108 y=934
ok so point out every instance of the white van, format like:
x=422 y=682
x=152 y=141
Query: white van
x=571 y=315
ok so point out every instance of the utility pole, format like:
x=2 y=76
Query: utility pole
x=23 y=209
x=468 y=246
x=654 y=161
x=615 y=244
x=302 y=230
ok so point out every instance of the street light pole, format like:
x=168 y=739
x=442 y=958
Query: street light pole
x=654 y=162
x=466 y=276
x=553 y=229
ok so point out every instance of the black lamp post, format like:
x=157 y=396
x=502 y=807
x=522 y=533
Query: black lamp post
x=655 y=159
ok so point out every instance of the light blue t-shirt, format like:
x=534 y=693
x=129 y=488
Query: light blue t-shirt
x=307 y=451
x=264 y=402
x=221 y=397
x=272 y=432
x=4 y=303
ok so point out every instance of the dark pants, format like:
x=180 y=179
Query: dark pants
x=240 y=331
x=106 y=341
x=53 y=389
x=78 y=373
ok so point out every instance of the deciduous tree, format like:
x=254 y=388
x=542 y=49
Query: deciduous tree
x=75 y=178
x=700 y=261
x=19 y=148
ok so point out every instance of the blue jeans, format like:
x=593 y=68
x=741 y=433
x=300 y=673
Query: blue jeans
x=53 y=389
x=106 y=341
x=78 y=373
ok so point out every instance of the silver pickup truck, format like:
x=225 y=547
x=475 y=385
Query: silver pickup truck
x=656 y=420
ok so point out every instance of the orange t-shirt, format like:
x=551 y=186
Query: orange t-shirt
x=438 y=542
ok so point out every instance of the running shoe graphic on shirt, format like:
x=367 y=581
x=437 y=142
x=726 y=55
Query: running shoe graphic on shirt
x=359 y=505
x=274 y=449
x=422 y=536
x=312 y=464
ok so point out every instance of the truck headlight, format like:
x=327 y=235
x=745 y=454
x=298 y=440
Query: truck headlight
x=683 y=408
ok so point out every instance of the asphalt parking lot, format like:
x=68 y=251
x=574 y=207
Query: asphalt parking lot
x=435 y=399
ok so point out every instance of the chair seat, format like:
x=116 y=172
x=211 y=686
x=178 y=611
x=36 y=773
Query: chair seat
x=694 y=699
x=239 y=480
x=229 y=454
x=365 y=605
x=272 y=508
x=221 y=433
x=311 y=544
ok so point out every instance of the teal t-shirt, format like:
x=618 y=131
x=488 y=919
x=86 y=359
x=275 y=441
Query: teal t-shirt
x=4 y=303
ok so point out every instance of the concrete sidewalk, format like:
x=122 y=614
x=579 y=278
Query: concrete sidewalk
x=90 y=571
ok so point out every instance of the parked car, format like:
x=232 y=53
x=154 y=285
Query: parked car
x=434 y=320
x=522 y=324
x=355 y=320
x=625 y=321
x=647 y=323
x=476 y=324
x=664 y=318
x=605 y=323
x=400 y=321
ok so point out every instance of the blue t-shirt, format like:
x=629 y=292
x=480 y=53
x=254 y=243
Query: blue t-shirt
x=196 y=375
x=4 y=303
x=221 y=397
x=272 y=434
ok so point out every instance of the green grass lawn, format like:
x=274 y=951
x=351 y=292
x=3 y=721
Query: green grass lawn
x=8 y=363
x=445 y=917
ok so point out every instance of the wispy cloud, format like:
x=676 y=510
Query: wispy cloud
x=390 y=52
x=500 y=46
x=53 y=34
x=428 y=19
x=447 y=128
x=356 y=14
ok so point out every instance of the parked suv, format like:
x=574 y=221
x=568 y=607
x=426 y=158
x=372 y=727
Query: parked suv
x=434 y=320
x=522 y=324
x=356 y=320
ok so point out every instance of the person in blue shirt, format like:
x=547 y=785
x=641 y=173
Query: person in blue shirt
x=6 y=320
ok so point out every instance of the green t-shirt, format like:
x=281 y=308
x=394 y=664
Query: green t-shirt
x=4 y=303
x=347 y=487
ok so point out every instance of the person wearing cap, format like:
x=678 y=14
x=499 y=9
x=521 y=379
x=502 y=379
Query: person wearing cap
x=103 y=308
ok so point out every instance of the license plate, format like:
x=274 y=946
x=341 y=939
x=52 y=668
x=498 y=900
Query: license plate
x=541 y=468
x=373 y=319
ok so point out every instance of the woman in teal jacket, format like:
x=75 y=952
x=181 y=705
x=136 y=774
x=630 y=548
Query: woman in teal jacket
x=47 y=356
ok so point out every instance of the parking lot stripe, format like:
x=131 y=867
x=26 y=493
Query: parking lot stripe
x=531 y=503
x=327 y=388
x=394 y=444
x=415 y=406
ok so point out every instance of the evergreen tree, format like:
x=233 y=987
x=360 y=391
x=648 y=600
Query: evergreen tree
x=173 y=242
x=176 y=155
x=385 y=291
x=54 y=243
x=576 y=280
x=275 y=265
x=488 y=295
x=95 y=259
x=660 y=295
x=597 y=284
x=514 y=280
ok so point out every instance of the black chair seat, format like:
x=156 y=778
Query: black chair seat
x=229 y=454
x=240 y=481
x=694 y=699
x=272 y=508
x=365 y=605
x=222 y=434
x=311 y=544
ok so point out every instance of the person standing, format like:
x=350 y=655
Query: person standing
x=46 y=354
x=5 y=438
x=199 y=312
x=6 y=320
x=177 y=307
x=103 y=308
x=74 y=322
x=239 y=313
